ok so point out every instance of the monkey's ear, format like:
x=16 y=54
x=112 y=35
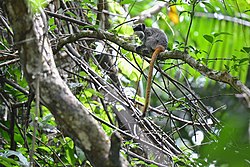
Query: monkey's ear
x=143 y=26
x=139 y=27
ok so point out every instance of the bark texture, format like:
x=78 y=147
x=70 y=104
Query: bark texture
x=37 y=60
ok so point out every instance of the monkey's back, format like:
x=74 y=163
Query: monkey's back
x=154 y=37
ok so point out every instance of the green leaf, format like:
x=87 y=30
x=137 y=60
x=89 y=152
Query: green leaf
x=182 y=12
x=44 y=148
x=126 y=2
x=191 y=48
x=209 y=5
x=203 y=51
x=69 y=151
x=219 y=40
x=204 y=60
x=221 y=33
x=247 y=49
x=52 y=28
x=37 y=5
x=197 y=51
x=226 y=66
x=51 y=21
x=90 y=92
x=70 y=156
x=243 y=60
x=7 y=162
x=133 y=76
x=209 y=38
x=235 y=67
x=86 y=1
x=234 y=58
x=70 y=142
x=71 y=14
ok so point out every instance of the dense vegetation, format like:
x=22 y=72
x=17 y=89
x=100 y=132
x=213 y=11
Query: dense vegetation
x=72 y=84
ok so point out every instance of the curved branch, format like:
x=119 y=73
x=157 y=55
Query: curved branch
x=224 y=77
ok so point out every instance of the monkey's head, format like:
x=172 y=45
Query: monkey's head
x=139 y=31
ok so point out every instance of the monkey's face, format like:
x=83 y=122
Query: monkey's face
x=140 y=34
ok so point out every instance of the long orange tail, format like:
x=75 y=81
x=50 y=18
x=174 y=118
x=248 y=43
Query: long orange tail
x=157 y=51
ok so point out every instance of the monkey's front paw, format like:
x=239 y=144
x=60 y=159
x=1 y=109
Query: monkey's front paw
x=143 y=50
x=138 y=48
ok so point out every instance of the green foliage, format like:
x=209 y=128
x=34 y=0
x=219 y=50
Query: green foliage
x=7 y=160
x=38 y=5
x=220 y=44
x=123 y=2
x=52 y=25
x=225 y=39
x=209 y=38
x=229 y=148
x=133 y=74
x=53 y=151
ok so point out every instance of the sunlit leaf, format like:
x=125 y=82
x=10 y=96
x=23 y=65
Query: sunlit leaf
x=7 y=162
x=243 y=60
x=70 y=142
x=221 y=33
x=44 y=148
x=209 y=38
x=126 y=2
x=226 y=66
x=182 y=12
x=90 y=92
x=247 y=49
x=209 y=6
x=38 y=4
x=219 y=40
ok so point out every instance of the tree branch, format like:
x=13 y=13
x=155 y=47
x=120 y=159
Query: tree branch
x=72 y=117
x=151 y=11
x=224 y=77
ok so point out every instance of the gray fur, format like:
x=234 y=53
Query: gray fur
x=150 y=37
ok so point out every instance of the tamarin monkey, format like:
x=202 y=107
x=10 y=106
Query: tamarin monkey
x=154 y=41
